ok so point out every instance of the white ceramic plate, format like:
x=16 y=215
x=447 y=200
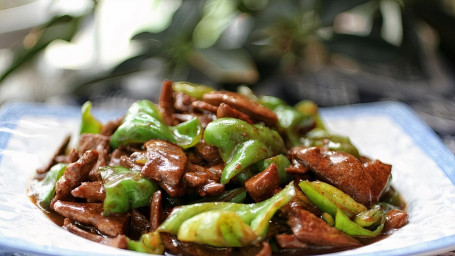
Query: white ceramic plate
x=423 y=171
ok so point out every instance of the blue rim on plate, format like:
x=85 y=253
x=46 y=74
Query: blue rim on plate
x=400 y=113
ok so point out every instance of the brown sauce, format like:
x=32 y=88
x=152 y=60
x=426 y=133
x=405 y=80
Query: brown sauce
x=51 y=214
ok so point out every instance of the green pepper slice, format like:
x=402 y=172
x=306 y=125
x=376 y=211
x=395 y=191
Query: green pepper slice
x=125 y=189
x=241 y=144
x=143 y=122
x=89 y=124
x=213 y=222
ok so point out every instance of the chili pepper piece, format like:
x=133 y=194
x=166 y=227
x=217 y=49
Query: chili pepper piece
x=290 y=121
x=45 y=189
x=194 y=90
x=310 y=108
x=229 y=228
x=89 y=124
x=343 y=223
x=241 y=144
x=143 y=122
x=125 y=189
x=323 y=203
x=147 y=243
x=343 y=201
x=309 y=228
x=256 y=215
x=322 y=138
x=187 y=134
x=370 y=217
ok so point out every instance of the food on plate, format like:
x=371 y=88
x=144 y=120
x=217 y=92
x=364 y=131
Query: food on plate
x=207 y=172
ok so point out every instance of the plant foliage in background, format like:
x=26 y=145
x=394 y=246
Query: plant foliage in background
x=279 y=47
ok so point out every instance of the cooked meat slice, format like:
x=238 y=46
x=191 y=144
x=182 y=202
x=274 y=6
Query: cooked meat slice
x=95 y=174
x=166 y=104
x=225 y=111
x=90 y=141
x=165 y=164
x=156 y=210
x=379 y=173
x=111 y=126
x=117 y=242
x=203 y=106
x=363 y=182
x=135 y=161
x=175 y=247
x=263 y=249
x=60 y=151
x=195 y=179
x=171 y=243
x=208 y=153
x=74 y=174
x=266 y=250
x=139 y=224
x=182 y=102
x=92 y=214
x=205 y=118
x=296 y=168
x=196 y=175
x=92 y=191
x=73 y=156
x=98 y=142
x=395 y=219
x=116 y=155
x=211 y=189
x=243 y=104
x=308 y=228
x=289 y=242
x=204 y=179
x=216 y=170
x=264 y=184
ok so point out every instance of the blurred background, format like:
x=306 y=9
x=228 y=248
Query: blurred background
x=332 y=52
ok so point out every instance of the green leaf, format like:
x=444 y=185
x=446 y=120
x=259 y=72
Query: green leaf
x=59 y=27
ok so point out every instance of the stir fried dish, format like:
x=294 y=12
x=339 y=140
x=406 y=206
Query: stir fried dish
x=207 y=172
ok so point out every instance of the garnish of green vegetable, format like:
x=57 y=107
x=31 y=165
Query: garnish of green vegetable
x=344 y=224
x=45 y=189
x=322 y=138
x=334 y=195
x=290 y=120
x=319 y=136
x=143 y=122
x=340 y=206
x=309 y=108
x=125 y=189
x=229 y=228
x=281 y=162
x=89 y=124
x=194 y=90
x=241 y=144
x=370 y=217
x=225 y=224
x=147 y=243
